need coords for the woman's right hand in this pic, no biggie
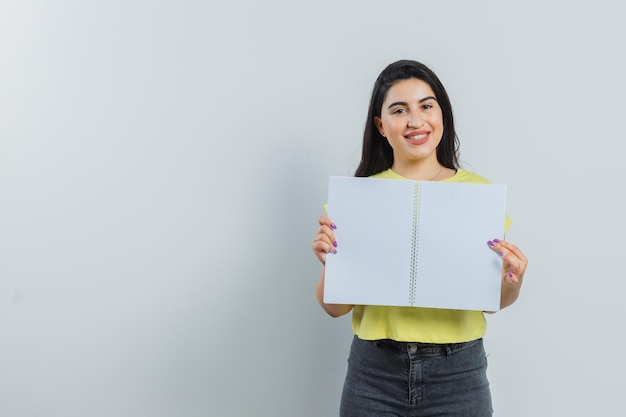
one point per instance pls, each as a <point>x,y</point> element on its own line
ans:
<point>324,241</point>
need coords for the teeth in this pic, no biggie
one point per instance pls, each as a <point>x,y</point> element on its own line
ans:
<point>418,137</point>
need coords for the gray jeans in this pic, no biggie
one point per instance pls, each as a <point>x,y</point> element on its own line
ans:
<point>389,378</point>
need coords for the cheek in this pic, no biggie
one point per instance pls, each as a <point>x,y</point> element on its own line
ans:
<point>437,124</point>
<point>390,125</point>
<point>439,121</point>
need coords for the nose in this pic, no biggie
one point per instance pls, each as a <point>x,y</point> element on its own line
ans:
<point>415,121</point>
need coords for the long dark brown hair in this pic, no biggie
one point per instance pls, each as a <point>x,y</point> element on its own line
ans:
<point>377,154</point>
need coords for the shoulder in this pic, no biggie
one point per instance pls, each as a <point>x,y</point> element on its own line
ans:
<point>471,177</point>
<point>463,175</point>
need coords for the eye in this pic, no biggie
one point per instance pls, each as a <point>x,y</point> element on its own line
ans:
<point>398,111</point>
<point>427,106</point>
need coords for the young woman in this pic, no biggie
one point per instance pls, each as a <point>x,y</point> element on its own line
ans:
<point>410,361</point>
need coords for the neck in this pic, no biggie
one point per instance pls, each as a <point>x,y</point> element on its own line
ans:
<point>422,171</point>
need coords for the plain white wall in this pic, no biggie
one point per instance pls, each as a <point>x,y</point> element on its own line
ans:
<point>162,166</point>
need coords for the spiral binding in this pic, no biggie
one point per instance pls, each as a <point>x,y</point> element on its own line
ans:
<point>414,248</point>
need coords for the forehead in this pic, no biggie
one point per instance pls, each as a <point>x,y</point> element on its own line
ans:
<point>409,90</point>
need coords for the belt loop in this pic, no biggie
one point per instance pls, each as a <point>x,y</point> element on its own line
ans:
<point>448,350</point>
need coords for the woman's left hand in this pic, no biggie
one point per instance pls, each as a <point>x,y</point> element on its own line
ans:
<point>514,264</point>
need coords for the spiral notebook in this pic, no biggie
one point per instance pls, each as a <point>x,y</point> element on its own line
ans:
<point>415,243</point>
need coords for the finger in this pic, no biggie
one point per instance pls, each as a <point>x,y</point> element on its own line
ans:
<point>325,240</point>
<point>513,263</point>
<point>326,221</point>
<point>496,246</point>
<point>320,250</point>
<point>322,242</point>
<point>513,249</point>
<point>504,248</point>
<point>326,231</point>
<point>510,277</point>
<point>513,260</point>
<point>321,247</point>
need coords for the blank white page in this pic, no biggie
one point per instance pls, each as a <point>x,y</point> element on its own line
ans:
<point>374,219</point>
<point>454,266</point>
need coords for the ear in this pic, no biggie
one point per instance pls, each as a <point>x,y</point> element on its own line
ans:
<point>379,126</point>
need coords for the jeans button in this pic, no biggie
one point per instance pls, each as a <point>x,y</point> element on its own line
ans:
<point>413,347</point>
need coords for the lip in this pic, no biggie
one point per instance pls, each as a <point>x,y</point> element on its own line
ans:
<point>420,141</point>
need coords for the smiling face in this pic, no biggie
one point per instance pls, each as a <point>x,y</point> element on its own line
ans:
<point>412,122</point>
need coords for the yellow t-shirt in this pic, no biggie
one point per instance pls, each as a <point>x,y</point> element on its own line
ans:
<point>416,324</point>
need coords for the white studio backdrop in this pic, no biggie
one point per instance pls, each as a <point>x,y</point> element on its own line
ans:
<point>163,164</point>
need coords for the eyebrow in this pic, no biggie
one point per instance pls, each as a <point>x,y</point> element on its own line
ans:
<point>404,103</point>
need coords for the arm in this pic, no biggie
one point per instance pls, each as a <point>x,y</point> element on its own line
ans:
<point>324,242</point>
<point>514,265</point>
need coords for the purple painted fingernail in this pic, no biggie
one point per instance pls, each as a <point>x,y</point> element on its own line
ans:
<point>490,243</point>
<point>510,274</point>
<point>335,243</point>
<point>333,226</point>
<point>501,253</point>
<point>497,240</point>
